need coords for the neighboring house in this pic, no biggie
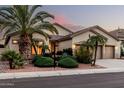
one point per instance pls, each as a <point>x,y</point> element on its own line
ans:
<point>119,33</point>
<point>71,39</point>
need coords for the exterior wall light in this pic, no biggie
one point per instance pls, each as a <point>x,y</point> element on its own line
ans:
<point>73,46</point>
<point>14,41</point>
<point>116,47</point>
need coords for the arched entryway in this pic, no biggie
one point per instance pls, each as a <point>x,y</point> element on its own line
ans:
<point>38,45</point>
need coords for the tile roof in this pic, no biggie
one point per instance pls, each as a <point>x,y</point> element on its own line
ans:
<point>118,33</point>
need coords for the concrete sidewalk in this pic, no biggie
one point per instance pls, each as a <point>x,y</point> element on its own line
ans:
<point>57,73</point>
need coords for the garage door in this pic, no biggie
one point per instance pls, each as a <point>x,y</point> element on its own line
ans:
<point>99,52</point>
<point>109,52</point>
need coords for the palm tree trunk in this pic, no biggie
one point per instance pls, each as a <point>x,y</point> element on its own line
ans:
<point>25,46</point>
<point>96,46</point>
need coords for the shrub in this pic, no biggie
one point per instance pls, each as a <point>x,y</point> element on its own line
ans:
<point>67,63</point>
<point>68,51</point>
<point>65,56</point>
<point>59,53</point>
<point>83,55</point>
<point>35,58</point>
<point>15,59</point>
<point>47,55</point>
<point>122,51</point>
<point>44,62</point>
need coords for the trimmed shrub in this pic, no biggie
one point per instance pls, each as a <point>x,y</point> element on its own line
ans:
<point>44,62</point>
<point>65,56</point>
<point>15,59</point>
<point>35,58</point>
<point>68,63</point>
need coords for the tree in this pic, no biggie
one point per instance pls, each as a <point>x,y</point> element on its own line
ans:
<point>95,41</point>
<point>25,20</point>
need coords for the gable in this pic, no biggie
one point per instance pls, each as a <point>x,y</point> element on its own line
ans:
<point>85,35</point>
<point>110,39</point>
<point>82,37</point>
<point>62,31</point>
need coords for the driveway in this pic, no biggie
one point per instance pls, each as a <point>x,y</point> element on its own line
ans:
<point>111,63</point>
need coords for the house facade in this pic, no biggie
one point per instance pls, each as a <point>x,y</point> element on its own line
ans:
<point>69,39</point>
<point>119,33</point>
<point>110,50</point>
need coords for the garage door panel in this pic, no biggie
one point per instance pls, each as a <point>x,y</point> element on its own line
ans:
<point>109,52</point>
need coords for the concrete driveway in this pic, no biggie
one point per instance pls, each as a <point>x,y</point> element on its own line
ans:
<point>111,63</point>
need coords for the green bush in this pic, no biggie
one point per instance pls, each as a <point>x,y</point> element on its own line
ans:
<point>83,55</point>
<point>65,56</point>
<point>68,51</point>
<point>68,63</point>
<point>15,59</point>
<point>44,62</point>
<point>35,58</point>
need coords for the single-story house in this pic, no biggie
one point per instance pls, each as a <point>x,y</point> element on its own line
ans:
<point>70,39</point>
<point>119,33</point>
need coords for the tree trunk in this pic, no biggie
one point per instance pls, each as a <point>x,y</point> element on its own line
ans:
<point>10,64</point>
<point>96,46</point>
<point>54,54</point>
<point>25,46</point>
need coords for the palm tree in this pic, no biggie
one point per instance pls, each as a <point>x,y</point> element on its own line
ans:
<point>95,41</point>
<point>25,20</point>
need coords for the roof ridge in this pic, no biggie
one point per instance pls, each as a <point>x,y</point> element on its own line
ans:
<point>63,27</point>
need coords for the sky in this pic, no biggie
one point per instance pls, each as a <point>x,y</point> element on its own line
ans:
<point>109,17</point>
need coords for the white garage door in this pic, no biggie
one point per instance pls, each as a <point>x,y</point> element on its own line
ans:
<point>109,52</point>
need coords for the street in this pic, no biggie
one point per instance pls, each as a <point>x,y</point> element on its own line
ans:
<point>108,80</point>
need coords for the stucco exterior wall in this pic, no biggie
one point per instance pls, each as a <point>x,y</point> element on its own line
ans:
<point>81,37</point>
<point>64,44</point>
<point>61,31</point>
<point>13,46</point>
<point>110,40</point>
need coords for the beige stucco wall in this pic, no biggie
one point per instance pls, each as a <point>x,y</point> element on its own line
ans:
<point>65,44</point>
<point>61,31</point>
<point>13,46</point>
<point>110,41</point>
<point>81,37</point>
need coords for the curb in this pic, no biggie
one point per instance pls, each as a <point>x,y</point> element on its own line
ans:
<point>57,73</point>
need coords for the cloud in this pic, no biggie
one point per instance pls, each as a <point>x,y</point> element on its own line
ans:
<point>61,19</point>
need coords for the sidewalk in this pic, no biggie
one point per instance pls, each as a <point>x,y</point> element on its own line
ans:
<point>57,73</point>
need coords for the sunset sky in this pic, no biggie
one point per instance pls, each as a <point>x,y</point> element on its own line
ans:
<point>108,17</point>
